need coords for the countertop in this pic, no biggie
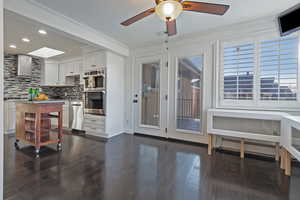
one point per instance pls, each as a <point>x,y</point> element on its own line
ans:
<point>41,102</point>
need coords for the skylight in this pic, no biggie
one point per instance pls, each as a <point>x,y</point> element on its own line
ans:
<point>46,52</point>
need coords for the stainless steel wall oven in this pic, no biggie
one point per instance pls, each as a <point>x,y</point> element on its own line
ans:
<point>94,91</point>
<point>94,102</point>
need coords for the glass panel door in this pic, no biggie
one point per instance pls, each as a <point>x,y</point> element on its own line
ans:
<point>151,86</point>
<point>189,94</point>
<point>150,112</point>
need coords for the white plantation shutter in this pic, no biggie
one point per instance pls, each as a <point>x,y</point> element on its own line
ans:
<point>279,69</point>
<point>238,72</point>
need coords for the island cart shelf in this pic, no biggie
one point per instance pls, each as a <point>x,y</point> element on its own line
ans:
<point>34,124</point>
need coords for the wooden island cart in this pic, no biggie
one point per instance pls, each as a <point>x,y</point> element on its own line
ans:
<point>33,124</point>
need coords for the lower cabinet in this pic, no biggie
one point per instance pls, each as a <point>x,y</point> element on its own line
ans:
<point>94,125</point>
<point>66,118</point>
<point>9,117</point>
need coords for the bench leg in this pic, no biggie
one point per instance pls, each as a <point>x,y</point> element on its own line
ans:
<point>242,149</point>
<point>282,158</point>
<point>210,145</point>
<point>277,151</point>
<point>287,163</point>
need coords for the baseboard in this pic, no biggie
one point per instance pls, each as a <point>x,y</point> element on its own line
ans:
<point>114,135</point>
<point>129,131</point>
<point>97,135</point>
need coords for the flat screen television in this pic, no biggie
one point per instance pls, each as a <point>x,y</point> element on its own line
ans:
<point>289,20</point>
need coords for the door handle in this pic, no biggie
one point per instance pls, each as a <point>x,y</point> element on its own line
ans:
<point>135,101</point>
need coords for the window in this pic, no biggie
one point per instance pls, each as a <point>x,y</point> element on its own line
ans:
<point>238,72</point>
<point>278,69</point>
<point>260,73</point>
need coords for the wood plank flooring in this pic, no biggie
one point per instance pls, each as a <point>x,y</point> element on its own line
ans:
<point>141,168</point>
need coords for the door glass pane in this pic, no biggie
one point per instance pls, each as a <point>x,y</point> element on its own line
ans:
<point>189,93</point>
<point>150,94</point>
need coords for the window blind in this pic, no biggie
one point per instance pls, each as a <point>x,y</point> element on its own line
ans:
<point>279,69</point>
<point>238,66</point>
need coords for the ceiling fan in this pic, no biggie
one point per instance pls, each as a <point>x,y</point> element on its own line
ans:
<point>169,10</point>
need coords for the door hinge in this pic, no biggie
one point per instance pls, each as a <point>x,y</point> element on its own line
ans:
<point>166,130</point>
<point>167,64</point>
<point>166,97</point>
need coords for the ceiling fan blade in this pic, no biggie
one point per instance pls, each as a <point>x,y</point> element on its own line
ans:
<point>158,1</point>
<point>138,17</point>
<point>210,8</point>
<point>171,27</point>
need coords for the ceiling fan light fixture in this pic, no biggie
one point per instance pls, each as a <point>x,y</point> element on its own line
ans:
<point>168,10</point>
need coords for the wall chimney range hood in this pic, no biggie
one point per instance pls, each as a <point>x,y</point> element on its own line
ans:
<point>24,65</point>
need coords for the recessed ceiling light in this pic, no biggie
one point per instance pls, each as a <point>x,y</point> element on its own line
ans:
<point>46,52</point>
<point>25,40</point>
<point>13,46</point>
<point>43,32</point>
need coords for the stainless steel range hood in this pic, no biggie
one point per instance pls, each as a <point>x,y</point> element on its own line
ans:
<point>24,65</point>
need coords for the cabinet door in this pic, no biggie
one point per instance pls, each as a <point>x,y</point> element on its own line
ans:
<point>63,71</point>
<point>10,117</point>
<point>81,73</point>
<point>77,68</point>
<point>71,69</point>
<point>66,116</point>
<point>51,74</point>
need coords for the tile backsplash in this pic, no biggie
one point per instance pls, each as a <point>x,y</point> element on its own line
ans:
<point>16,87</point>
<point>74,92</point>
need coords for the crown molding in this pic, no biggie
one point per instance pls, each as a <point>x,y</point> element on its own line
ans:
<point>252,27</point>
<point>42,14</point>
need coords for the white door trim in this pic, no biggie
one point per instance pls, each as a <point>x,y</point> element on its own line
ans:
<point>175,54</point>
<point>147,129</point>
<point>1,101</point>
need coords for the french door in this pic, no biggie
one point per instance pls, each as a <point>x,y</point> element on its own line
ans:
<point>150,98</point>
<point>185,113</point>
<point>169,99</point>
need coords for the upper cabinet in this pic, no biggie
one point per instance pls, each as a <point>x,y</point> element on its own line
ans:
<point>51,73</point>
<point>63,72</point>
<point>94,60</point>
<point>55,73</point>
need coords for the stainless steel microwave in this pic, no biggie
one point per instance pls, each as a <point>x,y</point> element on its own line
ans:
<point>95,80</point>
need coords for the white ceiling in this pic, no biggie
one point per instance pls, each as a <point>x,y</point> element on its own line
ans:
<point>16,27</point>
<point>106,15</point>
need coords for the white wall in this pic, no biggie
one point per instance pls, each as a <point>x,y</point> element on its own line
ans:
<point>115,95</point>
<point>209,42</point>
<point>1,100</point>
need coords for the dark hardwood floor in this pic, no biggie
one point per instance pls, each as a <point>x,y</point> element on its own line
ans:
<point>141,168</point>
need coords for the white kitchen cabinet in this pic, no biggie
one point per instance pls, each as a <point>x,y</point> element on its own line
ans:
<point>94,125</point>
<point>70,69</point>
<point>66,116</point>
<point>51,72</point>
<point>66,119</point>
<point>55,73</point>
<point>63,71</point>
<point>9,117</point>
<point>94,60</point>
